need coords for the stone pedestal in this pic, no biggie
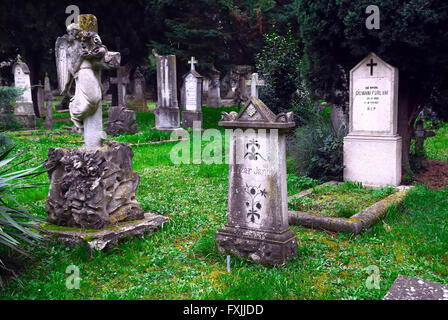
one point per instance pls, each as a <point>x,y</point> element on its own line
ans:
<point>189,117</point>
<point>120,120</point>
<point>24,114</point>
<point>257,217</point>
<point>373,160</point>
<point>372,149</point>
<point>92,189</point>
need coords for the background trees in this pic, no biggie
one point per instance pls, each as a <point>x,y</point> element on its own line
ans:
<point>413,36</point>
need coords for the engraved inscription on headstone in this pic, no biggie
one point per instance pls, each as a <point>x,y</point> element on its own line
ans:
<point>191,93</point>
<point>372,149</point>
<point>192,98</point>
<point>23,108</point>
<point>257,216</point>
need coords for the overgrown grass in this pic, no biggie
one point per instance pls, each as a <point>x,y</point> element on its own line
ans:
<point>181,260</point>
<point>343,200</point>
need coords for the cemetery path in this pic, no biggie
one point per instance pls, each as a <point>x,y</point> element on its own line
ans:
<point>435,174</point>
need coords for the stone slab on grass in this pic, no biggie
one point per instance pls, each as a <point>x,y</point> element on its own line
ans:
<point>407,288</point>
<point>106,238</point>
<point>356,223</point>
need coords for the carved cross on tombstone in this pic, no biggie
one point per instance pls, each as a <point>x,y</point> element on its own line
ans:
<point>121,81</point>
<point>192,63</point>
<point>371,65</point>
<point>254,84</point>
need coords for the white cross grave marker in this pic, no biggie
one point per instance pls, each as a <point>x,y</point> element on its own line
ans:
<point>254,83</point>
<point>193,62</point>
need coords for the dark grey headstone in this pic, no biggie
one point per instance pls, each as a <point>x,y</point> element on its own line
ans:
<point>407,288</point>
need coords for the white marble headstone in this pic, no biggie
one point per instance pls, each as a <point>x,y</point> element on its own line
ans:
<point>22,80</point>
<point>191,90</point>
<point>373,97</point>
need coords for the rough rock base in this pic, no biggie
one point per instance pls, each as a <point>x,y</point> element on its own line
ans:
<point>24,115</point>
<point>259,246</point>
<point>107,238</point>
<point>120,120</point>
<point>92,189</point>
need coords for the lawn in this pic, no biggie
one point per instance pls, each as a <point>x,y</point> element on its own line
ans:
<point>341,201</point>
<point>181,260</point>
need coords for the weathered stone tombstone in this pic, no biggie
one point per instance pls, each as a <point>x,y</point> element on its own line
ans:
<point>254,83</point>
<point>120,118</point>
<point>48,97</point>
<point>23,108</point>
<point>420,135</point>
<point>139,101</point>
<point>372,149</point>
<point>214,93</point>
<point>407,288</point>
<point>40,100</point>
<point>94,186</point>
<point>121,80</point>
<point>205,85</point>
<point>192,97</point>
<point>257,217</point>
<point>167,109</point>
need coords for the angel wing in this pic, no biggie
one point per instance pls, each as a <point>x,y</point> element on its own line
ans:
<point>62,62</point>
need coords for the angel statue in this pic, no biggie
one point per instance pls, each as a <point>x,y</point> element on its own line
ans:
<point>80,56</point>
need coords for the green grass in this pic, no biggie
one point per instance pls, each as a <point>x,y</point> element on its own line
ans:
<point>436,147</point>
<point>181,260</point>
<point>342,200</point>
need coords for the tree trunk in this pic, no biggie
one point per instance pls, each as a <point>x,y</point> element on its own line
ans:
<point>407,114</point>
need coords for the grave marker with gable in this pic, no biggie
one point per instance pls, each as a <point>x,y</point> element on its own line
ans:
<point>257,217</point>
<point>372,149</point>
<point>23,108</point>
<point>192,97</point>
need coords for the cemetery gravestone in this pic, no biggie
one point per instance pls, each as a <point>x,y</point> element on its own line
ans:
<point>120,118</point>
<point>167,109</point>
<point>257,217</point>
<point>121,81</point>
<point>214,92</point>
<point>48,97</point>
<point>254,83</point>
<point>40,100</point>
<point>139,101</point>
<point>372,149</point>
<point>192,97</point>
<point>23,108</point>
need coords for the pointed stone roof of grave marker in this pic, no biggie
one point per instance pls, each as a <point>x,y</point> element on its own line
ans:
<point>22,65</point>
<point>255,114</point>
<point>375,58</point>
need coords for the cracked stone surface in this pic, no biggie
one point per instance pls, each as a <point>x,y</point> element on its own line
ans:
<point>92,188</point>
<point>407,288</point>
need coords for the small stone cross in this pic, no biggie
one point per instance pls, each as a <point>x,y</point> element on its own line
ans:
<point>192,63</point>
<point>371,65</point>
<point>254,84</point>
<point>121,81</point>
